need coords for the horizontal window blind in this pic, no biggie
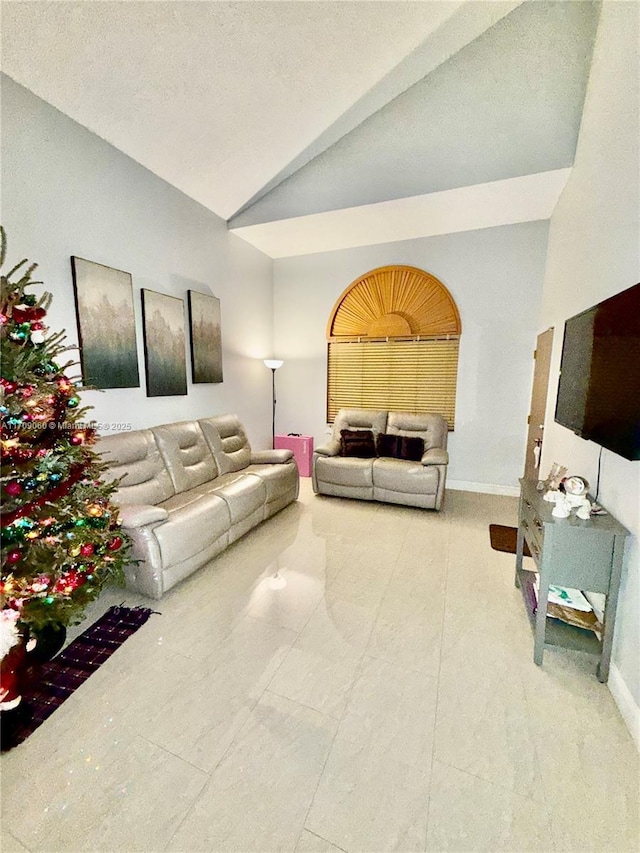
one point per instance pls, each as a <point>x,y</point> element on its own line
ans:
<point>396,375</point>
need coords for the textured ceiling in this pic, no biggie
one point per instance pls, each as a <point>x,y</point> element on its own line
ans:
<point>265,111</point>
<point>214,97</point>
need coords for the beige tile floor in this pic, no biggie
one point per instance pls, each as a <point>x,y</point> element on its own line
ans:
<point>384,699</point>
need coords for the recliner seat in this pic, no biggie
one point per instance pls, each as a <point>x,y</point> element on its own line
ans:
<point>381,478</point>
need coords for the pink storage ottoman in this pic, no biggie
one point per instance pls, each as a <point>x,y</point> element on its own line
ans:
<point>302,446</point>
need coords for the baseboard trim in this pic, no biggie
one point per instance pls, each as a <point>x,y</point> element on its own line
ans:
<point>626,704</point>
<point>483,488</point>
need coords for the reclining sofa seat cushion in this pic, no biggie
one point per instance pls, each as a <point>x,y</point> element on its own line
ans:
<point>419,483</point>
<point>276,469</point>
<point>347,476</point>
<point>194,472</point>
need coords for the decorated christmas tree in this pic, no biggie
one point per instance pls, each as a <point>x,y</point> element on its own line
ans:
<point>61,541</point>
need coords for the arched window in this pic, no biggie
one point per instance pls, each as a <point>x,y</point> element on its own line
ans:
<point>393,344</point>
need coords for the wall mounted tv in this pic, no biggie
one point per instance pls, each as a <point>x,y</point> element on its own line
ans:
<point>599,390</point>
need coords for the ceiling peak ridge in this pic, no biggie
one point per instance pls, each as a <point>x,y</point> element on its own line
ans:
<point>509,201</point>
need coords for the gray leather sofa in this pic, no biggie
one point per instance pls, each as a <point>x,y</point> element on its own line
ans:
<point>380,478</point>
<point>189,490</point>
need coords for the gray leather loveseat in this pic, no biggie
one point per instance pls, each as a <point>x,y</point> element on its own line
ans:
<point>377,476</point>
<point>189,490</point>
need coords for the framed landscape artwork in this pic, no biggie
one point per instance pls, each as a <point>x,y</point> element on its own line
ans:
<point>206,337</point>
<point>106,325</point>
<point>164,345</point>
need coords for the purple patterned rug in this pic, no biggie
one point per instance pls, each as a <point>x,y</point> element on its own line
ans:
<point>56,680</point>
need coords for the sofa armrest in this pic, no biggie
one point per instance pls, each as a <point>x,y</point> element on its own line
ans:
<point>435,456</point>
<point>270,457</point>
<point>331,448</point>
<point>133,516</point>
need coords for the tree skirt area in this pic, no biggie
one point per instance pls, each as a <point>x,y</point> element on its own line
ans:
<point>55,681</point>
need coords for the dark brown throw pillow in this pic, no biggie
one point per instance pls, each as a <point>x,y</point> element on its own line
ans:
<point>357,442</point>
<point>406,447</point>
<point>387,444</point>
<point>411,448</point>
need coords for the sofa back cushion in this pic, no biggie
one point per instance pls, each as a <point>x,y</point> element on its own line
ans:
<point>227,441</point>
<point>136,457</point>
<point>186,454</point>
<point>354,419</point>
<point>431,428</point>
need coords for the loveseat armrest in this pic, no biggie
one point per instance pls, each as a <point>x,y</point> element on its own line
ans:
<point>331,448</point>
<point>435,456</point>
<point>270,457</point>
<point>134,516</point>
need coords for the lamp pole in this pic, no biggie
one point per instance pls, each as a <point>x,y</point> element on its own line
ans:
<point>273,410</point>
<point>273,364</point>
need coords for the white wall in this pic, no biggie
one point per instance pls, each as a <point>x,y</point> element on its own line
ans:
<point>594,253</point>
<point>66,192</point>
<point>495,276</point>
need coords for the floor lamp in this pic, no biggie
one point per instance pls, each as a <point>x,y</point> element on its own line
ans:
<point>273,364</point>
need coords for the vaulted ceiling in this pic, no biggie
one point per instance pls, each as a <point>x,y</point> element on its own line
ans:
<point>314,118</point>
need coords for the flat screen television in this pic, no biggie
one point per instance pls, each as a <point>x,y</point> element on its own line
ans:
<point>599,390</point>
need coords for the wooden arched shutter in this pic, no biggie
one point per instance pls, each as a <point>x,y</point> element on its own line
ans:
<point>393,344</point>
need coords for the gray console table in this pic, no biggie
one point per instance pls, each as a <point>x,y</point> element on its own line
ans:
<point>570,552</point>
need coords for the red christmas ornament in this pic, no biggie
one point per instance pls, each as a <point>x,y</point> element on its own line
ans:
<point>69,581</point>
<point>13,488</point>
<point>8,385</point>
<point>115,543</point>
<point>14,556</point>
<point>87,549</point>
<point>25,315</point>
